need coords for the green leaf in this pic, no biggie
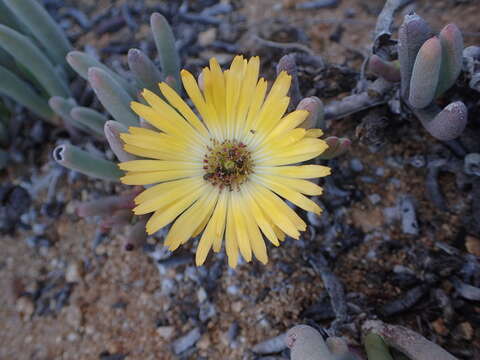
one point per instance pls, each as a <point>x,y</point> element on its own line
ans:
<point>30,56</point>
<point>22,92</point>
<point>79,160</point>
<point>115,99</point>
<point>165,43</point>
<point>42,27</point>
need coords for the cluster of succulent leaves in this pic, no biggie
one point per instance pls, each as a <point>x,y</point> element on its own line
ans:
<point>427,66</point>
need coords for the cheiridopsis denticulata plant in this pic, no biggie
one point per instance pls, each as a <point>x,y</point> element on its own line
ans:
<point>428,66</point>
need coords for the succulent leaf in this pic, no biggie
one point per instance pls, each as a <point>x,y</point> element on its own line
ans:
<point>62,107</point>
<point>384,69</point>
<point>316,117</point>
<point>167,52</point>
<point>376,348</point>
<point>30,56</point>
<point>452,58</point>
<point>89,118</point>
<point>8,19</point>
<point>112,96</point>
<point>447,124</point>
<point>20,91</point>
<point>411,36</point>
<point>144,70</point>
<point>425,74</point>
<point>112,130</point>
<point>81,62</point>
<point>306,343</point>
<point>336,147</point>
<point>41,25</point>
<point>79,160</point>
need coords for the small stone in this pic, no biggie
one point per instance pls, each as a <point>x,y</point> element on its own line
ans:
<point>74,316</point>
<point>356,165</point>
<point>201,295</point>
<point>187,341</point>
<point>25,307</point>
<point>466,330</point>
<point>439,327</point>
<point>237,306</point>
<point>72,337</point>
<point>204,343</point>
<point>74,272</point>
<point>207,37</point>
<point>473,245</point>
<point>368,220</point>
<point>207,311</point>
<point>374,198</point>
<point>168,286</point>
<point>166,332</point>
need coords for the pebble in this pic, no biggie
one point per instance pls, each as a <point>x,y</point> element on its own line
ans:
<point>168,286</point>
<point>356,165</point>
<point>25,307</point>
<point>232,290</point>
<point>270,346</point>
<point>207,311</point>
<point>380,172</point>
<point>374,198</point>
<point>74,272</point>
<point>201,295</point>
<point>207,37</point>
<point>39,229</point>
<point>465,329</point>
<point>204,343</point>
<point>473,245</point>
<point>409,218</point>
<point>74,316</point>
<point>186,341</point>
<point>439,327</point>
<point>166,332</point>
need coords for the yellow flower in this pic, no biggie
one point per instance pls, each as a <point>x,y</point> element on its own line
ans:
<point>222,173</point>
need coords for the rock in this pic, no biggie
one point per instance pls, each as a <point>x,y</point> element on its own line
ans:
<point>374,199</point>
<point>356,165</point>
<point>74,272</point>
<point>473,245</point>
<point>74,316</point>
<point>204,343</point>
<point>201,295</point>
<point>207,37</point>
<point>186,341</point>
<point>368,220</point>
<point>465,329</point>
<point>439,327</point>
<point>25,307</point>
<point>166,332</point>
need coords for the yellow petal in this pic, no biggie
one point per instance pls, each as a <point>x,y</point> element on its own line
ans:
<point>214,230</point>
<point>156,165</point>
<point>240,227</point>
<point>288,193</point>
<point>151,177</point>
<point>300,185</point>
<point>163,195</point>
<point>185,225</point>
<point>231,245</point>
<point>165,216</point>
<point>177,102</point>
<point>302,171</point>
<point>266,200</point>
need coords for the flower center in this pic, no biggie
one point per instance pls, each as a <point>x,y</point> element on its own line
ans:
<point>227,164</point>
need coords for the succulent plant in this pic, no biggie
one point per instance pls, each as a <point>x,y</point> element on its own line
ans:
<point>428,66</point>
<point>306,343</point>
<point>32,57</point>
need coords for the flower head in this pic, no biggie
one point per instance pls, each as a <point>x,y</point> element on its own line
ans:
<point>223,173</point>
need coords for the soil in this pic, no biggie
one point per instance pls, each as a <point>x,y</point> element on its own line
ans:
<point>69,293</point>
